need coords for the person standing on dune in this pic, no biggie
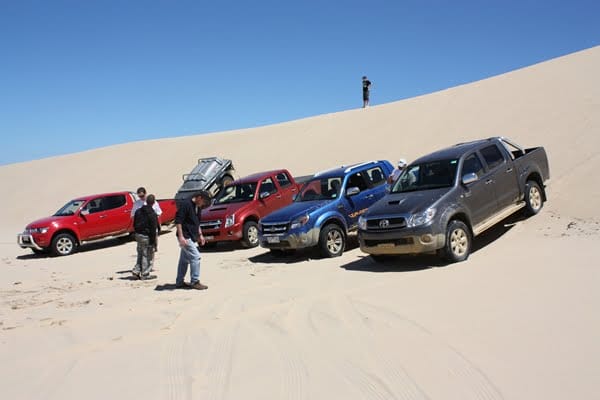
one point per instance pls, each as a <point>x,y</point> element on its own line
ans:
<point>366,87</point>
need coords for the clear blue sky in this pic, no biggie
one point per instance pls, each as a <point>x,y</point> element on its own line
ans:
<point>76,75</point>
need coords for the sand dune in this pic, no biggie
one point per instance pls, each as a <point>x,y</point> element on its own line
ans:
<point>516,320</point>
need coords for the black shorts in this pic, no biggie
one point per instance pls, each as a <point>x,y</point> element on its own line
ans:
<point>365,96</point>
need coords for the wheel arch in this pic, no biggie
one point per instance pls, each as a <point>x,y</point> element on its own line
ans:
<point>68,231</point>
<point>537,178</point>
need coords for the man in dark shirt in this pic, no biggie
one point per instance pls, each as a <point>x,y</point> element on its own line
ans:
<point>145,223</point>
<point>366,86</point>
<point>189,235</point>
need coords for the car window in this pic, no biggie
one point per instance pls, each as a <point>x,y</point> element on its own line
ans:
<point>283,179</point>
<point>267,185</point>
<point>492,156</point>
<point>320,189</point>
<point>112,202</point>
<point>376,176</point>
<point>94,206</point>
<point>473,165</point>
<point>357,180</point>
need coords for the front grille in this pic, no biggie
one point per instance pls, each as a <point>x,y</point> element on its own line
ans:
<point>396,242</point>
<point>210,225</point>
<point>382,224</point>
<point>275,228</point>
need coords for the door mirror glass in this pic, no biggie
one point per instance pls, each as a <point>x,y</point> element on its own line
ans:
<point>352,191</point>
<point>469,178</point>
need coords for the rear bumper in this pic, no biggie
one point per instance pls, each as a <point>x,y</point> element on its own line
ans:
<point>403,241</point>
<point>27,241</point>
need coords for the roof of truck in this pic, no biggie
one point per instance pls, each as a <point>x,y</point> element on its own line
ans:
<point>342,170</point>
<point>456,151</point>
<point>259,176</point>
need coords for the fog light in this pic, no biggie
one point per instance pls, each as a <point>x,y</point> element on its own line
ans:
<point>427,238</point>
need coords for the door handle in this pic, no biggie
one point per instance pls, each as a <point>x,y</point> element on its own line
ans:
<point>102,216</point>
<point>370,196</point>
<point>340,207</point>
<point>489,181</point>
<point>278,196</point>
<point>509,170</point>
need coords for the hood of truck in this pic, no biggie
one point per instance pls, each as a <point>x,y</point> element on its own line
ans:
<point>295,210</point>
<point>220,211</point>
<point>407,203</point>
<point>47,222</point>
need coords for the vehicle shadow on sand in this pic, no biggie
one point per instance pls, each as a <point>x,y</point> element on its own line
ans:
<point>84,248</point>
<point>406,263</point>
<point>298,256</point>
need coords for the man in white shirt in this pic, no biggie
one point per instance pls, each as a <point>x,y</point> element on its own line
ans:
<point>141,201</point>
<point>397,171</point>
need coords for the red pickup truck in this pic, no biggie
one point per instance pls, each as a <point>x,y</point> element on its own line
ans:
<point>86,219</point>
<point>235,213</point>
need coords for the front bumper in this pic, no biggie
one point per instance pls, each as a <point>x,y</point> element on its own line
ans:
<point>401,241</point>
<point>233,233</point>
<point>296,239</point>
<point>27,241</point>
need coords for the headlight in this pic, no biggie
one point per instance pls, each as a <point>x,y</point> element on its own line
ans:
<point>37,230</point>
<point>230,220</point>
<point>298,222</point>
<point>422,218</point>
<point>362,223</point>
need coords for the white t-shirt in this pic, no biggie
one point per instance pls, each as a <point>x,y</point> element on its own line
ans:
<point>139,203</point>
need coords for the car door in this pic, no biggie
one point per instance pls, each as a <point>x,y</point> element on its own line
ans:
<point>359,202</point>
<point>91,219</point>
<point>288,190</point>
<point>270,198</point>
<point>503,175</point>
<point>376,180</point>
<point>479,197</point>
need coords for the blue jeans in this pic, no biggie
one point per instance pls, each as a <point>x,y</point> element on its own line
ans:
<point>189,254</point>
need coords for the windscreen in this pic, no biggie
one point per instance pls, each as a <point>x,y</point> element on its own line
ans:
<point>424,176</point>
<point>69,209</point>
<point>320,189</point>
<point>237,193</point>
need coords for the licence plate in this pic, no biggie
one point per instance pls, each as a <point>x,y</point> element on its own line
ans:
<point>272,239</point>
<point>209,237</point>
<point>386,245</point>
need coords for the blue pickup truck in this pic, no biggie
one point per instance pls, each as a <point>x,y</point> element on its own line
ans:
<point>326,209</point>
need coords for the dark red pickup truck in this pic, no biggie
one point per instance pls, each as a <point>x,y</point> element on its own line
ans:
<point>235,213</point>
<point>86,219</point>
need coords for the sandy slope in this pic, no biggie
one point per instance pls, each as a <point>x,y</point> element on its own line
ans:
<point>517,320</point>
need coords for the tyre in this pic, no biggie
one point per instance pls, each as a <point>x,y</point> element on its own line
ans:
<point>458,242</point>
<point>534,199</point>
<point>63,244</point>
<point>226,180</point>
<point>332,241</point>
<point>250,238</point>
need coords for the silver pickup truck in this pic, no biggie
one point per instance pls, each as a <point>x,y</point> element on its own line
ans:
<point>444,199</point>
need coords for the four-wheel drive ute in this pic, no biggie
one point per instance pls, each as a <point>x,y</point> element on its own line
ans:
<point>236,211</point>
<point>442,200</point>
<point>326,209</point>
<point>86,219</point>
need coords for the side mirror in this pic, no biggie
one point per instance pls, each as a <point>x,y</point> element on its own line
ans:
<point>84,212</point>
<point>469,178</point>
<point>352,191</point>
<point>264,195</point>
<point>294,196</point>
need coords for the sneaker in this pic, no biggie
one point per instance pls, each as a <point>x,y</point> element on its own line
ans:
<point>198,286</point>
<point>147,277</point>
